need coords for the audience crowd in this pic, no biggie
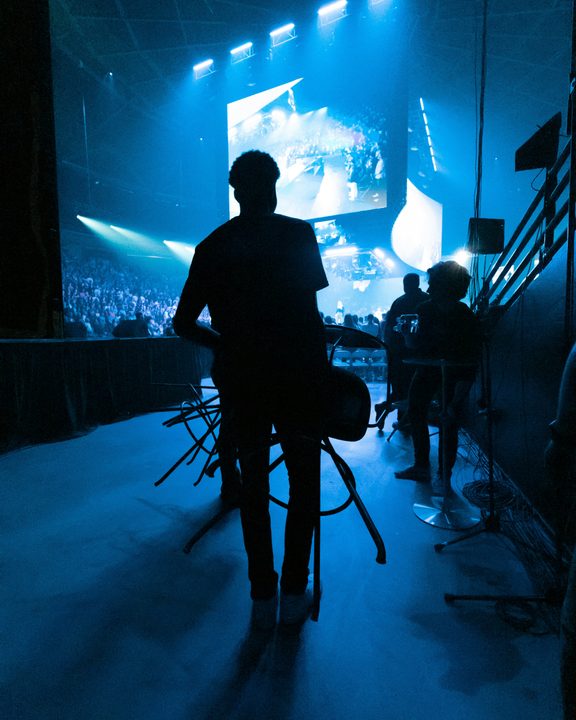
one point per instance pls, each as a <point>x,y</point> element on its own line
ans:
<point>100,294</point>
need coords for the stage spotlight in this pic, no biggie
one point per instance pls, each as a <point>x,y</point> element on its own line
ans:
<point>137,239</point>
<point>242,52</point>
<point>334,11</point>
<point>104,231</point>
<point>462,257</point>
<point>203,69</point>
<point>283,34</point>
<point>183,251</point>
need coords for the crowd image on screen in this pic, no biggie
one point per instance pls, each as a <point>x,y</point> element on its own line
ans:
<point>303,143</point>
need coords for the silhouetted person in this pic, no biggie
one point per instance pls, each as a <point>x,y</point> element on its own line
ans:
<point>349,321</point>
<point>259,273</point>
<point>448,330</point>
<point>400,374</point>
<point>136,328</point>
<point>561,470</point>
<point>372,325</point>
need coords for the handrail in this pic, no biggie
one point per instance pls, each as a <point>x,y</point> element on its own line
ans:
<point>533,274</point>
<point>499,284</point>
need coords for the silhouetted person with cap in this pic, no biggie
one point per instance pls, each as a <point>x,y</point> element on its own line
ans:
<point>259,274</point>
<point>400,373</point>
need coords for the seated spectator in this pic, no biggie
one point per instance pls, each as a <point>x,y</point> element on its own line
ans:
<point>372,326</point>
<point>349,321</point>
<point>132,328</point>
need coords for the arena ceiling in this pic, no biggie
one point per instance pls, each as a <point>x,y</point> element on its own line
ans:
<point>149,46</point>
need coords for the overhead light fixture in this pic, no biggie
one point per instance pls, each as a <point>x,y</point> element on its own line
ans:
<point>334,11</point>
<point>204,68</point>
<point>242,52</point>
<point>283,34</point>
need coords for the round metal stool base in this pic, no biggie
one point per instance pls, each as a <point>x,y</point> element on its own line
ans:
<point>447,513</point>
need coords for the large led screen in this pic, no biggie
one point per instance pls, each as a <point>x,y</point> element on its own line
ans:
<point>332,160</point>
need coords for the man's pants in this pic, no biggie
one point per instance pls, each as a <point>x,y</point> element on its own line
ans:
<point>426,383</point>
<point>295,413</point>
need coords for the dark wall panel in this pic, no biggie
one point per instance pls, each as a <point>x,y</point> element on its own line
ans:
<point>527,353</point>
<point>53,389</point>
<point>30,275</point>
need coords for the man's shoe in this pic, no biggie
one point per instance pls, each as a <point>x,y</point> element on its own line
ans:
<point>295,609</point>
<point>402,426</point>
<point>379,409</point>
<point>414,472</point>
<point>264,613</point>
<point>230,490</point>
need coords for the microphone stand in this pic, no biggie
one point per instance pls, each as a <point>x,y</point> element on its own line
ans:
<point>491,522</point>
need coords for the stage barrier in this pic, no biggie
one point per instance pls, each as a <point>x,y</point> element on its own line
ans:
<point>53,389</point>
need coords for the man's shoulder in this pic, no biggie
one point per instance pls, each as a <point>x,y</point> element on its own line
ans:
<point>218,233</point>
<point>290,222</point>
<point>464,309</point>
<point>278,217</point>
<point>213,244</point>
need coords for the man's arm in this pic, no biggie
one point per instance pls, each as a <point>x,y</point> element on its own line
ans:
<point>192,302</point>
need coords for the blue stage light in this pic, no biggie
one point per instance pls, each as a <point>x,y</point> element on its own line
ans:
<point>242,52</point>
<point>204,68</point>
<point>241,48</point>
<point>283,34</point>
<point>332,12</point>
<point>183,251</point>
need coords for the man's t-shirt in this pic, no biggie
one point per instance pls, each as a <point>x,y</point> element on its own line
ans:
<point>449,331</point>
<point>259,277</point>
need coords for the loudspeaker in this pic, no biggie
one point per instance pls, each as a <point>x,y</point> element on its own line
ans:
<point>541,150</point>
<point>485,236</point>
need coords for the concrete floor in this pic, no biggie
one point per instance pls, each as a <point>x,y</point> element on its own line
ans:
<point>105,618</point>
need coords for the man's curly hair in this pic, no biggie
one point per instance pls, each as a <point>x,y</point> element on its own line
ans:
<point>253,169</point>
<point>449,279</point>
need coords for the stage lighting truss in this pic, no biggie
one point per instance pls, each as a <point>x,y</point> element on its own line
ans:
<point>283,34</point>
<point>203,69</point>
<point>328,14</point>
<point>241,53</point>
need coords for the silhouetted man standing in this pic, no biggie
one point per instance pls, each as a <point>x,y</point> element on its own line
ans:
<point>400,373</point>
<point>259,274</point>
